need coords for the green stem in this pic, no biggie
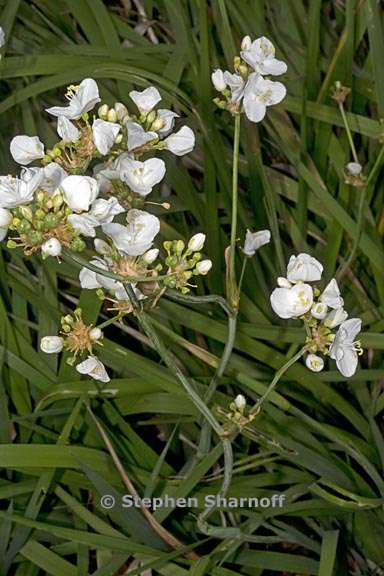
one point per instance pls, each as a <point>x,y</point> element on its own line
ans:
<point>243,267</point>
<point>348,131</point>
<point>232,292</point>
<point>276,379</point>
<point>360,215</point>
<point>69,257</point>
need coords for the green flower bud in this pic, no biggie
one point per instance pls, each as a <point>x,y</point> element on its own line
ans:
<point>179,247</point>
<point>50,220</point>
<point>40,197</point>
<point>151,116</point>
<point>26,212</point>
<point>35,238</point>
<point>15,223</point>
<point>11,244</point>
<point>167,245</point>
<point>24,227</point>
<point>77,244</point>
<point>40,214</point>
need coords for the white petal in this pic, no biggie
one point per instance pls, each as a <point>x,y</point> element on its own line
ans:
<point>254,109</point>
<point>146,100</point>
<point>142,176</point>
<point>83,101</point>
<point>26,149</point>
<point>88,279</point>
<point>292,302</point>
<point>5,218</point>
<point>255,240</point>
<point>94,368</point>
<point>51,247</point>
<point>331,295</point>
<point>347,361</point>
<point>181,142</point>
<point>51,344</point>
<point>105,210</point>
<point>335,318</point>
<point>79,191</point>
<point>53,175</point>
<point>168,118</point>
<point>314,362</point>
<point>273,67</point>
<point>84,223</point>
<point>67,131</point>
<point>137,237</point>
<point>104,134</point>
<point>218,81</point>
<point>236,84</point>
<point>350,329</point>
<point>137,136</point>
<point>304,268</point>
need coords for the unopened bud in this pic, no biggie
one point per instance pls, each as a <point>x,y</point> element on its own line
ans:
<point>150,256</point>
<point>283,282</point>
<point>51,247</point>
<point>51,344</point>
<point>240,402</point>
<point>112,116</point>
<point>204,267</point>
<point>103,111</point>
<point>314,362</point>
<point>95,334</point>
<point>197,241</point>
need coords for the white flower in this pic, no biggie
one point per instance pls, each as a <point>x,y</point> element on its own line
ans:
<point>137,237</point>
<point>240,402</point>
<point>197,242</point>
<point>260,55</point>
<point>203,267</point>
<point>105,210</point>
<point>83,100</point>
<point>79,191</point>
<point>314,362</point>
<point>354,168</point>
<point>236,85</point>
<point>93,368</point>
<point>150,256</point>
<point>104,135</point>
<point>146,100</point>
<point>51,344</point>
<point>292,302</point>
<point>344,350</point>
<point>218,81</point>
<point>335,318</point>
<point>84,223</point>
<point>255,240</point>
<point>67,130</point>
<point>17,191</point>
<point>26,149</point>
<point>2,37</point>
<point>260,93</point>
<point>51,247</point>
<point>304,268</point>
<point>137,136</point>
<point>181,142</point>
<point>141,177</point>
<point>319,310</point>
<point>91,280</point>
<point>52,176</point>
<point>167,118</point>
<point>331,295</point>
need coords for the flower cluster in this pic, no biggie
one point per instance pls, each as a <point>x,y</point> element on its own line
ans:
<point>321,312</point>
<point>78,339</point>
<point>247,88</point>
<point>93,184</point>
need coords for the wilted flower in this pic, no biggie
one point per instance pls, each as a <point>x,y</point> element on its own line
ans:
<point>255,240</point>
<point>26,149</point>
<point>146,100</point>
<point>236,84</point>
<point>354,168</point>
<point>335,318</point>
<point>105,210</point>
<point>94,368</point>
<point>82,99</point>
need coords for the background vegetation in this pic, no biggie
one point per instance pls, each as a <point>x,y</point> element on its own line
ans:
<point>320,438</point>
